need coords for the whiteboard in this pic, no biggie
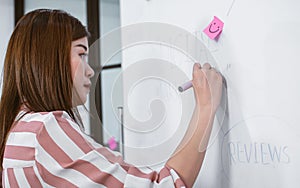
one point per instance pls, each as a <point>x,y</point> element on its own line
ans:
<point>256,143</point>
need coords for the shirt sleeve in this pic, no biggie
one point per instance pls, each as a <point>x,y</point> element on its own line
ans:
<point>66,157</point>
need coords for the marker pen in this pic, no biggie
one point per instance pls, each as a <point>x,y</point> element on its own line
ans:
<point>185,86</point>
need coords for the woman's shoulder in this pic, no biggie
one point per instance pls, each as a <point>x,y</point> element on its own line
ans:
<point>35,121</point>
<point>42,116</point>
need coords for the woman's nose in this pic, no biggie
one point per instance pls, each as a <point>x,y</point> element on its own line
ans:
<point>89,71</point>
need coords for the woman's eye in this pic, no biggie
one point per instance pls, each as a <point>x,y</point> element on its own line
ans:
<point>84,57</point>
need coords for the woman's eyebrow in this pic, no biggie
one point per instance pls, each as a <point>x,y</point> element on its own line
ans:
<point>81,45</point>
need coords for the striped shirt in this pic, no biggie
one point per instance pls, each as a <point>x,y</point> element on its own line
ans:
<point>48,149</point>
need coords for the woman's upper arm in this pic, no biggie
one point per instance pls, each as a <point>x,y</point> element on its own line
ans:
<point>66,155</point>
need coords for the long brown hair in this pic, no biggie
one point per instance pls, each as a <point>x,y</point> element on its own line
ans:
<point>37,69</point>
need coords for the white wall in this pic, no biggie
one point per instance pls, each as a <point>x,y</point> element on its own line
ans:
<point>7,24</point>
<point>109,21</point>
<point>258,55</point>
<point>76,8</point>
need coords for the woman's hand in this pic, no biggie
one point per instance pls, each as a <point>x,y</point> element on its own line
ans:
<point>207,84</point>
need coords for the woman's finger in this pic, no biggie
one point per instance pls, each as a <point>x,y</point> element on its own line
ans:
<point>196,66</point>
<point>206,66</point>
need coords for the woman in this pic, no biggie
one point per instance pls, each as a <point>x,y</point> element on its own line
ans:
<point>42,144</point>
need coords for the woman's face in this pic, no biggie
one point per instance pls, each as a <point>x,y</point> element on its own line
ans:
<point>81,71</point>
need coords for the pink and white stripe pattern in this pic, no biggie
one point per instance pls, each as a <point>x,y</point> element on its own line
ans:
<point>49,150</point>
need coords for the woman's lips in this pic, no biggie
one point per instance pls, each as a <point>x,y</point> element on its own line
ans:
<point>87,85</point>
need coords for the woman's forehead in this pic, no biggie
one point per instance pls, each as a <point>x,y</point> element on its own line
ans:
<point>82,42</point>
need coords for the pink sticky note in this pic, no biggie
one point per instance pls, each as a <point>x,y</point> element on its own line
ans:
<point>112,143</point>
<point>214,28</point>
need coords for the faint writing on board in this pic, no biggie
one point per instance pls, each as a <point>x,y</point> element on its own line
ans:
<point>257,153</point>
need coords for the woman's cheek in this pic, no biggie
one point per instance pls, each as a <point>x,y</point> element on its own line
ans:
<point>74,68</point>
